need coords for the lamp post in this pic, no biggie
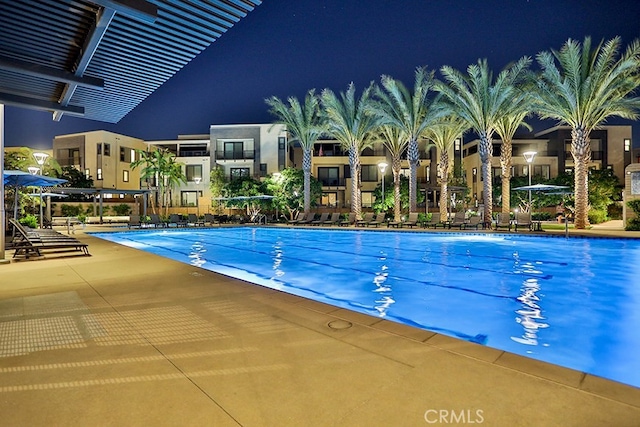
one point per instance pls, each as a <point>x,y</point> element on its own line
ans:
<point>383,167</point>
<point>528,156</point>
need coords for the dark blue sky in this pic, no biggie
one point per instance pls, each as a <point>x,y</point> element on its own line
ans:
<point>285,47</point>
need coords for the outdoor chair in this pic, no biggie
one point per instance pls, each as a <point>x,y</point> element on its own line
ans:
<point>411,221</point>
<point>503,221</point>
<point>193,220</point>
<point>380,218</point>
<point>434,221</point>
<point>523,220</point>
<point>350,220</point>
<point>177,220</point>
<point>210,219</point>
<point>29,243</point>
<point>367,218</point>
<point>323,217</point>
<point>459,220</point>
<point>308,219</point>
<point>155,221</point>
<point>335,219</point>
<point>474,222</point>
<point>134,221</point>
<point>299,217</point>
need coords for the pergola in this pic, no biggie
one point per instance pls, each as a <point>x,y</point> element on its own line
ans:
<point>99,59</point>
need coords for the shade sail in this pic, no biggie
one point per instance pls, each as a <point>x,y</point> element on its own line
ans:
<point>542,187</point>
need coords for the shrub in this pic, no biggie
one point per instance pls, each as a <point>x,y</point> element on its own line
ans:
<point>597,216</point>
<point>69,210</point>
<point>122,209</point>
<point>634,224</point>
<point>29,221</point>
<point>541,216</point>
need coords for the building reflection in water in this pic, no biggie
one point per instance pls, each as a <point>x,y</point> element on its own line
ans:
<point>530,314</point>
<point>382,288</point>
<point>196,256</point>
<point>277,254</point>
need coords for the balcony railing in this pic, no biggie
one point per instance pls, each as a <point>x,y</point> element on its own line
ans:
<point>235,155</point>
<point>71,161</point>
<point>332,182</point>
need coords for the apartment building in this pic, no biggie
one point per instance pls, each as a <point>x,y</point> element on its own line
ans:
<point>610,148</point>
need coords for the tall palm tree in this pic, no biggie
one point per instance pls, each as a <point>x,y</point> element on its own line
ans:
<point>411,112</point>
<point>160,165</point>
<point>582,89</point>
<point>443,134</point>
<point>395,141</point>
<point>506,128</point>
<point>481,102</point>
<point>349,123</point>
<point>305,125</point>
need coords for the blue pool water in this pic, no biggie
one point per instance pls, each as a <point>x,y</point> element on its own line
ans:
<point>573,302</point>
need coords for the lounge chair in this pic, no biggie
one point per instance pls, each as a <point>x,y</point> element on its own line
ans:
<point>434,221</point>
<point>411,221</point>
<point>193,220</point>
<point>379,220</point>
<point>299,217</point>
<point>459,220</point>
<point>323,217</point>
<point>177,220</point>
<point>350,220</point>
<point>523,220</point>
<point>474,222</point>
<point>367,218</point>
<point>28,243</point>
<point>134,221</point>
<point>307,220</point>
<point>210,219</point>
<point>335,219</point>
<point>155,221</point>
<point>503,221</point>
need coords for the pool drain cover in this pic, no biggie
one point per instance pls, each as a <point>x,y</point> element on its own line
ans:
<point>339,324</point>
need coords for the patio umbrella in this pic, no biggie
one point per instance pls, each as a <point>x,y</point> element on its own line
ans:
<point>542,187</point>
<point>25,179</point>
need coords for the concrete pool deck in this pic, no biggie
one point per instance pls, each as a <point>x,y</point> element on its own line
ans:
<point>129,338</point>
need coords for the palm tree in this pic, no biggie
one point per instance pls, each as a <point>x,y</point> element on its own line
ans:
<point>481,102</point>
<point>395,141</point>
<point>506,128</point>
<point>348,122</point>
<point>583,89</point>
<point>305,125</point>
<point>410,112</point>
<point>443,134</point>
<point>160,165</point>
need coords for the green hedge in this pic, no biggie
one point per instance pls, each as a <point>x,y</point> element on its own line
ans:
<point>634,224</point>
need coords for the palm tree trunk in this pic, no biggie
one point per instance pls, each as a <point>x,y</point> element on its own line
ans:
<point>506,155</point>
<point>396,167</point>
<point>443,172</point>
<point>581,151</point>
<point>485,150</point>
<point>413,157</point>
<point>354,164</point>
<point>306,168</point>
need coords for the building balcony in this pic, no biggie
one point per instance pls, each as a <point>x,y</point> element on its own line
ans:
<point>236,155</point>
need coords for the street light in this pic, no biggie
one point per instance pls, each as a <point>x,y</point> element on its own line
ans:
<point>383,167</point>
<point>528,156</point>
<point>40,159</point>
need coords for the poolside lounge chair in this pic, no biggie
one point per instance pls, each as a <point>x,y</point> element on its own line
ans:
<point>299,217</point>
<point>210,219</point>
<point>474,222</point>
<point>193,220</point>
<point>177,220</point>
<point>411,221</point>
<point>434,221</point>
<point>335,219</point>
<point>134,221</point>
<point>155,221</point>
<point>308,219</point>
<point>379,220</point>
<point>323,217</point>
<point>504,221</point>
<point>350,220</point>
<point>367,218</point>
<point>28,243</point>
<point>459,220</point>
<point>523,220</point>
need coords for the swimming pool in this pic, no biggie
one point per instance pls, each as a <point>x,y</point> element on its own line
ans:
<point>573,302</point>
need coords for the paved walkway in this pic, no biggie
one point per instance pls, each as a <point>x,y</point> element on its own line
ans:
<point>128,338</point>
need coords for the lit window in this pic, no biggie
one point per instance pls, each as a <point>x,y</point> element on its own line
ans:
<point>627,144</point>
<point>125,176</point>
<point>99,173</point>
<point>133,155</point>
<point>87,173</point>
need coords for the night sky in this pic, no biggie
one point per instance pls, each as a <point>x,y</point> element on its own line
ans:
<point>285,47</point>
